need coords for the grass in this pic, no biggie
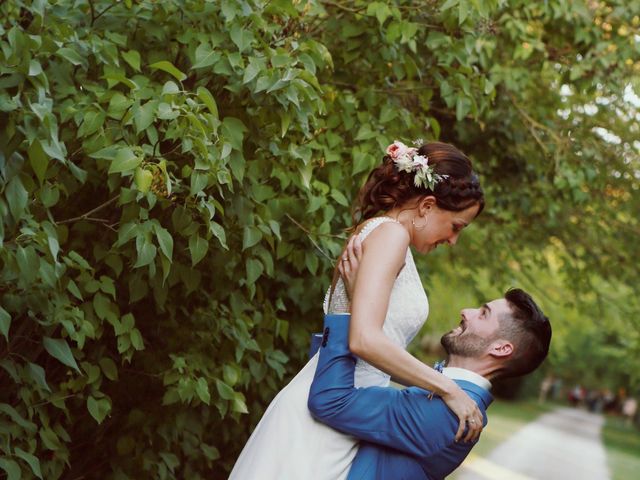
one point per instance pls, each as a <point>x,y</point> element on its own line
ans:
<point>622,443</point>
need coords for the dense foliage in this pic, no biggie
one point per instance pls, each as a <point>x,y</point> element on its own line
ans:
<point>176,175</point>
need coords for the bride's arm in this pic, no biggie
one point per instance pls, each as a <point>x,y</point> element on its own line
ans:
<point>383,256</point>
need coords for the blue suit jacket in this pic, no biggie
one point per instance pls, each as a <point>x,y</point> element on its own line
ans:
<point>403,434</point>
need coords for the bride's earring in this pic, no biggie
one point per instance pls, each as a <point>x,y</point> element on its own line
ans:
<point>421,227</point>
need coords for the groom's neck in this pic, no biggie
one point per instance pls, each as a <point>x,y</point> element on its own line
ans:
<point>474,364</point>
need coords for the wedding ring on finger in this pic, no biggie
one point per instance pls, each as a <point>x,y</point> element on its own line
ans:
<point>345,259</point>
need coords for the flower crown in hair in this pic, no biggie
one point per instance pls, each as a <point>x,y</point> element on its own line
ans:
<point>408,160</point>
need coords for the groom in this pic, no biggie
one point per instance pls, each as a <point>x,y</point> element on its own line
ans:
<point>404,434</point>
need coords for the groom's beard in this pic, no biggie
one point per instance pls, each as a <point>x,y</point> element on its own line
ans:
<point>465,344</point>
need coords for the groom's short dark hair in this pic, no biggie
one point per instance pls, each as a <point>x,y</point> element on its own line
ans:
<point>530,332</point>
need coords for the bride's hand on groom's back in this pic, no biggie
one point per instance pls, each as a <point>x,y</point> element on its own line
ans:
<point>349,262</point>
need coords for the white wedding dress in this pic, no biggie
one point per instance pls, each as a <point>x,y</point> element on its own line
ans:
<point>288,444</point>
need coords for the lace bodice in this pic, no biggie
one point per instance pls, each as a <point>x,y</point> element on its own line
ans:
<point>408,309</point>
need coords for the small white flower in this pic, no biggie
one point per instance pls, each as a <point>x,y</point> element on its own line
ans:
<point>420,161</point>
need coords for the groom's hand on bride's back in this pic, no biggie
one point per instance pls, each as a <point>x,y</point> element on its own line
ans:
<point>349,263</point>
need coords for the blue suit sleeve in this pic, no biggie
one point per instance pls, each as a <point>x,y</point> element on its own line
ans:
<point>405,420</point>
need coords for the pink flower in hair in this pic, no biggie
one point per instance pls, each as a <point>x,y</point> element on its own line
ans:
<point>398,150</point>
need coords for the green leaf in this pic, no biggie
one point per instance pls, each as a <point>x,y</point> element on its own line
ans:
<point>202,390</point>
<point>339,197</point>
<point>78,259</point>
<point>92,122</point>
<point>238,404</point>
<point>230,375</point>
<point>233,129</point>
<point>143,179</point>
<point>146,254</point>
<point>211,453</point>
<point>311,261</point>
<point>30,427</point>
<point>125,160</point>
<point>165,240</point>
<point>449,4</point>
<point>170,460</point>
<point>59,349</point>
<point>28,263</point>
<point>37,374</point>
<point>463,105</point>
<point>102,306</point>
<point>38,159</point>
<point>241,36</point>
<point>75,291</point>
<point>107,153</point>
<point>11,468</point>
<point>252,70</point>
<point>17,197</point>
<point>463,11</point>
<point>136,339</point>
<point>198,247</point>
<point>107,285</point>
<point>218,231</point>
<point>31,460</point>
<point>208,100</point>
<point>127,323</point>
<point>99,408</point>
<point>144,115</point>
<point>224,390</point>
<point>254,270</point>
<point>169,68</point>
<point>205,56</point>
<point>109,368</point>
<point>50,439</point>
<point>126,232</point>
<point>380,10</point>
<point>5,323</point>
<point>132,57</point>
<point>170,88</point>
<point>251,236</point>
<point>72,56</point>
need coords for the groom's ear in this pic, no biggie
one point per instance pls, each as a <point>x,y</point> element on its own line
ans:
<point>501,349</point>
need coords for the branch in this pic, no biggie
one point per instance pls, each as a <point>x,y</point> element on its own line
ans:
<point>533,123</point>
<point>93,12</point>
<point>342,7</point>
<point>101,13</point>
<point>309,233</point>
<point>393,90</point>
<point>87,215</point>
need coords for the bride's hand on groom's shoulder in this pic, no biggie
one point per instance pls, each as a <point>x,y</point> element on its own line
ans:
<point>349,262</point>
<point>469,415</point>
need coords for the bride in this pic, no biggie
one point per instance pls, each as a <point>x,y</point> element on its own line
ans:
<point>420,197</point>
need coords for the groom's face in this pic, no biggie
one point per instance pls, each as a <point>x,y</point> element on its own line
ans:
<point>478,329</point>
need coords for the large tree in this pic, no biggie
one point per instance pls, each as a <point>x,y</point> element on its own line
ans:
<point>176,177</point>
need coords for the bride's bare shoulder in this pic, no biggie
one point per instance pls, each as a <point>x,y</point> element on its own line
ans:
<point>390,235</point>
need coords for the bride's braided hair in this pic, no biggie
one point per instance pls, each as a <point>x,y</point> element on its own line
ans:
<point>387,187</point>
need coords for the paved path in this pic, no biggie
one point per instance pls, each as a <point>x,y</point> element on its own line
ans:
<point>561,445</point>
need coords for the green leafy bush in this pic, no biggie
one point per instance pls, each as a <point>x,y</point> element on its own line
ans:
<point>175,176</point>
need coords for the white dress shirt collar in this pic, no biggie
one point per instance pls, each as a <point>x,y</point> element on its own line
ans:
<point>455,373</point>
